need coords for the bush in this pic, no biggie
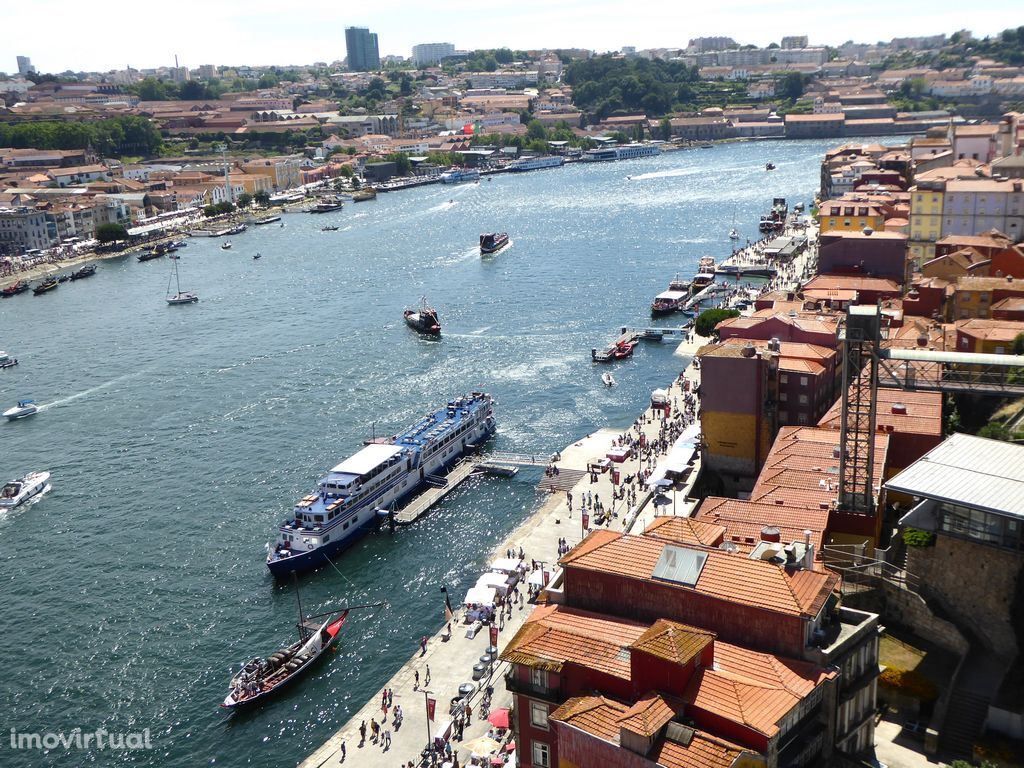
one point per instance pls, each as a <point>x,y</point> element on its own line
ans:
<point>709,318</point>
<point>914,537</point>
<point>908,683</point>
<point>109,233</point>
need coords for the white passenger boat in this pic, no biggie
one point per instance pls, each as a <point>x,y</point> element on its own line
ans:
<point>19,491</point>
<point>21,410</point>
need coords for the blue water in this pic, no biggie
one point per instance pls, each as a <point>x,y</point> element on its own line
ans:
<point>179,436</point>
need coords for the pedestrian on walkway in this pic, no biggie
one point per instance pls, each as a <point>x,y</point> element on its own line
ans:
<point>386,741</point>
<point>342,752</point>
<point>416,680</point>
<point>423,646</point>
<point>426,679</point>
<point>362,733</point>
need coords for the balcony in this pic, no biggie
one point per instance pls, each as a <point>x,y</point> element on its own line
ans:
<point>529,688</point>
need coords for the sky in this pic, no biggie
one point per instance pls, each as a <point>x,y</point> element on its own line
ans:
<point>61,35</point>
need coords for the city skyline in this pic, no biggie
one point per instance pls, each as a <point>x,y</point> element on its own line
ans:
<point>258,33</point>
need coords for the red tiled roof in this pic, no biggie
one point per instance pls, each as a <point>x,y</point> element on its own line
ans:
<point>649,715</point>
<point>724,576</point>
<point>673,642</point>
<point>685,530</point>
<point>744,520</point>
<point>851,282</point>
<point>923,412</point>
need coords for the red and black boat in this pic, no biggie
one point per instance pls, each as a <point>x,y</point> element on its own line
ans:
<point>623,349</point>
<point>13,290</point>
<point>424,319</point>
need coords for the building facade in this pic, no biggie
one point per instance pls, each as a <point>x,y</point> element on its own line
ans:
<point>361,48</point>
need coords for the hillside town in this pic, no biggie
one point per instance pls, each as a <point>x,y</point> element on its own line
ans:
<point>806,550</point>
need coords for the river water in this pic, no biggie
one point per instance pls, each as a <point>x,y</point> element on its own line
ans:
<point>179,436</point>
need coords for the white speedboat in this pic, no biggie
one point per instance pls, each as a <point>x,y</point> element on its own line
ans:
<point>226,246</point>
<point>19,491</point>
<point>733,234</point>
<point>21,410</point>
<point>608,379</point>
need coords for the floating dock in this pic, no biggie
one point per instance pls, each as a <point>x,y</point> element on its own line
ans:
<point>633,335</point>
<point>440,486</point>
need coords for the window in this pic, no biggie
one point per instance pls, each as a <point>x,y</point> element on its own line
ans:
<point>538,678</point>
<point>803,399</point>
<point>784,379</point>
<point>803,381</point>
<point>801,418</point>
<point>538,714</point>
<point>541,755</point>
<point>783,397</point>
<point>783,415</point>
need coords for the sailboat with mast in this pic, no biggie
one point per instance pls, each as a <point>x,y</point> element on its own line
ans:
<point>734,234</point>
<point>260,678</point>
<point>181,297</point>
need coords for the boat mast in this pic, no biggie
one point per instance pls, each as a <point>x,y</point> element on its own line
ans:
<point>298,600</point>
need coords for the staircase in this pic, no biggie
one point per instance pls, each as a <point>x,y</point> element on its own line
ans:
<point>964,720</point>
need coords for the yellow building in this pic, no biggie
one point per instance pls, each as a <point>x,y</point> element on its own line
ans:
<point>926,201</point>
<point>849,216</point>
<point>990,337</point>
<point>974,296</point>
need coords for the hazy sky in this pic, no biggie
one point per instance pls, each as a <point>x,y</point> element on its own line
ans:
<point>110,34</point>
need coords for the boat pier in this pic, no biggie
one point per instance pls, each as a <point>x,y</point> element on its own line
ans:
<point>633,335</point>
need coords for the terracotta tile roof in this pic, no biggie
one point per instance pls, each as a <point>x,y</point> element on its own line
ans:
<point>744,521</point>
<point>972,283</point>
<point>923,412</point>
<point>596,715</point>
<point>703,751</point>
<point>673,641</point>
<point>685,530</point>
<point>991,330</point>
<point>796,365</point>
<point>724,576</point>
<point>649,715</point>
<point>554,636</point>
<point>851,282</point>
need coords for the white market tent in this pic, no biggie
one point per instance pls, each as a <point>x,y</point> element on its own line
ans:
<point>480,596</point>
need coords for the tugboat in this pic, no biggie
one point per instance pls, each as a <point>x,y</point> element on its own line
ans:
<point>87,271</point>
<point>13,290</point>
<point>46,286</point>
<point>18,492</point>
<point>423,319</point>
<point>492,242</point>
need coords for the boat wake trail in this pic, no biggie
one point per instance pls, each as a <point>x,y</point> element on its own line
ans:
<point>92,390</point>
<point>664,174</point>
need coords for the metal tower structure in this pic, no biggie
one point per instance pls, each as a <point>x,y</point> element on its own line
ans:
<point>860,342</point>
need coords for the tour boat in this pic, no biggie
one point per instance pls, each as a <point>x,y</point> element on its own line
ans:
<point>23,409</point>
<point>668,302</point>
<point>492,242</point>
<point>13,290</point>
<point>424,319</point>
<point>19,491</point>
<point>380,475</point>
<point>457,175</point>
<point>6,361</point>
<point>87,271</point>
<point>776,218</point>
<point>536,163</point>
<point>156,253</point>
<point>181,297</point>
<point>46,286</point>
<point>327,205</point>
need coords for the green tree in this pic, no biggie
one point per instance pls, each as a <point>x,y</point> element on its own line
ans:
<point>791,86</point>
<point>403,167</point>
<point>109,233</point>
<point>151,89</point>
<point>346,171</point>
<point>535,130</point>
<point>244,200</point>
<point>706,321</point>
<point>193,90</point>
<point>262,198</point>
<point>995,431</point>
<point>666,128</point>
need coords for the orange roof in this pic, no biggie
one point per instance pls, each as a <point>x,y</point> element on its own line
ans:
<point>923,412</point>
<point>553,636</point>
<point>673,642</point>
<point>649,715</point>
<point>797,365</point>
<point>991,330</point>
<point>596,715</point>
<point>724,576</point>
<point>971,283</point>
<point>851,282</point>
<point>703,751</point>
<point>744,521</point>
<point>685,530</point>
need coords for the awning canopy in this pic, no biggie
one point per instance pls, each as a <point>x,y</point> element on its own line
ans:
<point>506,564</point>
<point>480,596</point>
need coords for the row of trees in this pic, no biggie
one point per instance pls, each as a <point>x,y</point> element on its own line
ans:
<point>114,137</point>
<point>606,84</point>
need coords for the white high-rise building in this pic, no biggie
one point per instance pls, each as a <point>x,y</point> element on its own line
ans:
<point>427,54</point>
<point>25,65</point>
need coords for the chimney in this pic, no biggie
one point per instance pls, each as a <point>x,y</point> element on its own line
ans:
<point>899,408</point>
<point>748,350</point>
<point>868,231</point>
<point>808,552</point>
<point>771,533</point>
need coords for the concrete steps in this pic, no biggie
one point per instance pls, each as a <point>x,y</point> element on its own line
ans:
<point>964,721</point>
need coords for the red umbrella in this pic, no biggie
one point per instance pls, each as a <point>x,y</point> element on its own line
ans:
<point>498,718</point>
<point>510,747</point>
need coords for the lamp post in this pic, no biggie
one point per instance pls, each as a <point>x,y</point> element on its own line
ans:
<point>426,704</point>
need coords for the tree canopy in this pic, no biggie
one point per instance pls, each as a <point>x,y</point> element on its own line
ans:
<point>606,84</point>
<point>116,136</point>
<point>706,321</point>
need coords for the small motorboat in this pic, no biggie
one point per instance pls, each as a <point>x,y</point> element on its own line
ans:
<point>623,349</point>
<point>734,234</point>
<point>6,361</point>
<point>87,271</point>
<point>492,242</point>
<point>769,166</point>
<point>257,255</point>
<point>19,491</point>
<point>23,409</point>
<point>63,278</point>
<point>13,290</point>
<point>608,379</point>
<point>46,286</point>
<point>329,229</point>
<point>226,246</point>
<point>424,319</point>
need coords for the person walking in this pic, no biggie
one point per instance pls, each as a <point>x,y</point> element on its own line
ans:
<point>416,680</point>
<point>343,752</point>
<point>426,679</point>
<point>362,733</point>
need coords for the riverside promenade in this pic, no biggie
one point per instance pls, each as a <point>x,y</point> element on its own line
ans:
<point>450,660</point>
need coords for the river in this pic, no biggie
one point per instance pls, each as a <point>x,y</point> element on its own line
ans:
<point>179,436</point>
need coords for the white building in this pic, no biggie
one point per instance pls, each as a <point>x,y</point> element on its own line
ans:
<point>502,79</point>
<point>428,54</point>
<point>22,229</point>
